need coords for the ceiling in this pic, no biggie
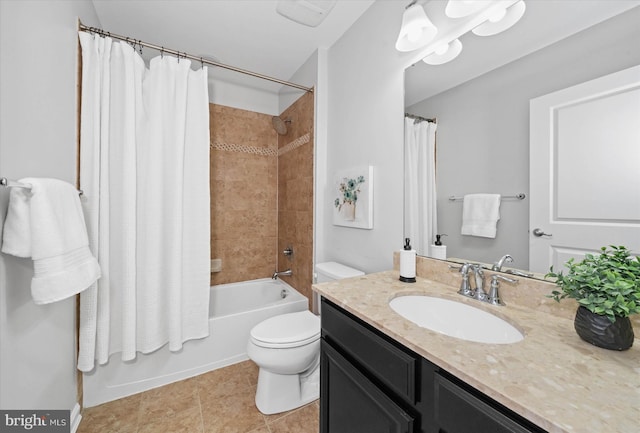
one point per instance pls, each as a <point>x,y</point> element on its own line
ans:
<point>544,23</point>
<point>248,34</point>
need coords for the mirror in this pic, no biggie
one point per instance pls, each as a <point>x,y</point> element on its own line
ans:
<point>481,103</point>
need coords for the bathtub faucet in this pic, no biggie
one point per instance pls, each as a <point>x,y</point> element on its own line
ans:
<point>286,273</point>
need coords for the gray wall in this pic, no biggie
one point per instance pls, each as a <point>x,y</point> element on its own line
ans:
<point>38,61</point>
<point>365,80</point>
<point>483,130</point>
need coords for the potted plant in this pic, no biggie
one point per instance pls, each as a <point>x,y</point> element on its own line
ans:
<point>607,288</point>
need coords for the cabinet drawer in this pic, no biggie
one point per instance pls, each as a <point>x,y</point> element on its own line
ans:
<point>459,411</point>
<point>394,366</point>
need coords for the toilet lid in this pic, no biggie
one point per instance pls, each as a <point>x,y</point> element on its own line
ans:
<point>287,330</point>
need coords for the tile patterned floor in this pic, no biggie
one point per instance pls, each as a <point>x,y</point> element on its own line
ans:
<point>221,401</point>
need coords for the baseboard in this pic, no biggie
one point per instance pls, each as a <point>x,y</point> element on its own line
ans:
<point>75,418</point>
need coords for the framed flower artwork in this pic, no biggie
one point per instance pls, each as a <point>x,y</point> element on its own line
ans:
<point>352,195</point>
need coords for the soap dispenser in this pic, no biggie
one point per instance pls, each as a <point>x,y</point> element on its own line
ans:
<point>438,251</point>
<point>408,263</point>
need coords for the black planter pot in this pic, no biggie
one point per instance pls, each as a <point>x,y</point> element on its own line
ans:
<point>599,331</point>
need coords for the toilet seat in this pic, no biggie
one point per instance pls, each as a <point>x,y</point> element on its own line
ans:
<point>287,330</point>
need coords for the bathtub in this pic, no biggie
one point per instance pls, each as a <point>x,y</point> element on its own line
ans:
<point>233,310</point>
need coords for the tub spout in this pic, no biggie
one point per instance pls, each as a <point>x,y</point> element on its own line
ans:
<point>286,273</point>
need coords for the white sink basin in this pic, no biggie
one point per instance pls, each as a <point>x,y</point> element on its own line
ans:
<point>455,319</point>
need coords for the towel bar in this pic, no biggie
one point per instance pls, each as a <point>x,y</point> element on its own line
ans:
<point>519,196</point>
<point>13,184</point>
<point>8,183</point>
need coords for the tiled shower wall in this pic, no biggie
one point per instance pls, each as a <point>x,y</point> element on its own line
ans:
<point>244,184</point>
<point>295,194</point>
<point>262,194</point>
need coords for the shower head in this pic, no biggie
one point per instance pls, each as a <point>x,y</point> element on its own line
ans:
<point>280,125</point>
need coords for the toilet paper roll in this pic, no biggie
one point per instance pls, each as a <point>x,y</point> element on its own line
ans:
<point>408,266</point>
<point>439,251</point>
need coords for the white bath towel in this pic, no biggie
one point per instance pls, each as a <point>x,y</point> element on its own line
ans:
<point>480,215</point>
<point>46,223</point>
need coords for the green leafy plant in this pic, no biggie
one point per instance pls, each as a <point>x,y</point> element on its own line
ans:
<point>607,284</point>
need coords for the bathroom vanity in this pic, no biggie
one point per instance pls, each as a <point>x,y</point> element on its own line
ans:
<point>382,373</point>
<point>370,383</point>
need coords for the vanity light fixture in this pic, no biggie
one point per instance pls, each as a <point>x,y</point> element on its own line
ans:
<point>463,8</point>
<point>444,53</point>
<point>482,17</point>
<point>417,30</point>
<point>500,19</point>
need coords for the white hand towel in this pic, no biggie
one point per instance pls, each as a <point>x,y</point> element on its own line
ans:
<point>46,223</point>
<point>480,215</point>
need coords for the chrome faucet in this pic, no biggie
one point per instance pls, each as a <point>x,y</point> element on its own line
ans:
<point>465,289</point>
<point>476,292</point>
<point>494,297</point>
<point>497,266</point>
<point>479,292</point>
<point>286,273</point>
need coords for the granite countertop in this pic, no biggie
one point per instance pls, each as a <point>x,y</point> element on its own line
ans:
<point>552,377</point>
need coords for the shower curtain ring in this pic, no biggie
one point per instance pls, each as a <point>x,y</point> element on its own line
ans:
<point>162,53</point>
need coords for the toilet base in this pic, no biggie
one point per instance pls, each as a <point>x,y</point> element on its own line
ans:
<point>282,392</point>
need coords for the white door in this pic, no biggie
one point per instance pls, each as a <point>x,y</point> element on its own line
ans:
<point>585,170</point>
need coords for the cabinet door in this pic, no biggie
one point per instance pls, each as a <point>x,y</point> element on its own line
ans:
<point>350,403</point>
<point>392,365</point>
<point>459,411</point>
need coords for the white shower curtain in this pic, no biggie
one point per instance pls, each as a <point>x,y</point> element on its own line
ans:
<point>144,170</point>
<point>420,213</point>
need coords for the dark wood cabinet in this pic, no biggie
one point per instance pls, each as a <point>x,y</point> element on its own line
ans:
<point>370,383</point>
<point>392,364</point>
<point>452,399</point>
<point>353,403</point>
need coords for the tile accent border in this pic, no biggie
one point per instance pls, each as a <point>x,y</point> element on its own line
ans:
<point>241,148</point>
<point>263,151</point>
<point>304,139</point>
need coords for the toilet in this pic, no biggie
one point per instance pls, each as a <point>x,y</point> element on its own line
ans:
<point>286,348</point>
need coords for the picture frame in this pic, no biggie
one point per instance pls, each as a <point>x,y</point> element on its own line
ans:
<point>352,197</point>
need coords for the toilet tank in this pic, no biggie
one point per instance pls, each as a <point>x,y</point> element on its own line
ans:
<point>331,271</point>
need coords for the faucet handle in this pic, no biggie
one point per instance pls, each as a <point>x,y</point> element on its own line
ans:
<point>519,273</point>
<point>494,296</point>
<point>503,278</point>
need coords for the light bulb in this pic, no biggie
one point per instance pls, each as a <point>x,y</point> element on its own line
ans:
<point>441,49</point>
<point>444,53</point>
<point>416,31</point>
<point>500,19</point>
<point>414,34</point>
<point>497,15</point>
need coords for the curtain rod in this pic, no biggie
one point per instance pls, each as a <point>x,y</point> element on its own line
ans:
<point>190,56</point>
<point>422,119</point>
